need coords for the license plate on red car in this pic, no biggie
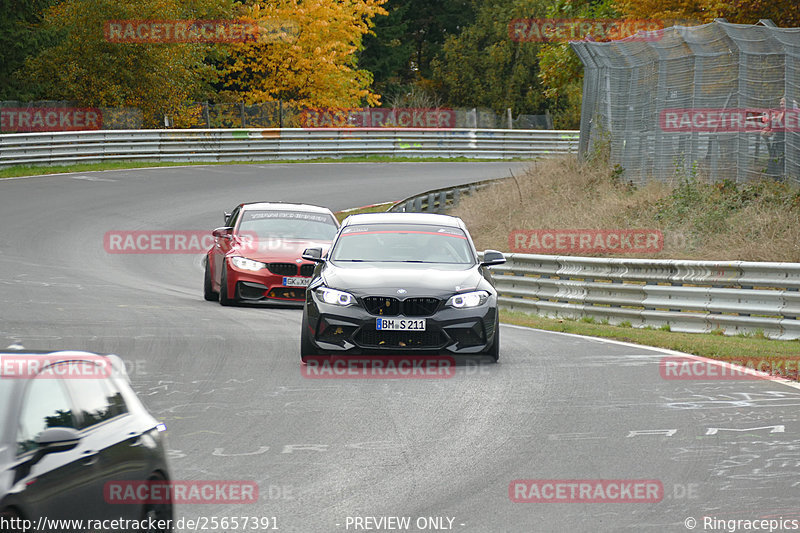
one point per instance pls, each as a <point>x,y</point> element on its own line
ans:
<point>396,324</point>
<point>296,282</point>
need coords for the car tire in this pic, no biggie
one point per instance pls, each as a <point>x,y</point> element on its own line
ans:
<point>494,351</point>
<point>208,291</point>
<point>224,299</point>
<point>7,515</point>
<point>158,511</point>
<point>307,349</point>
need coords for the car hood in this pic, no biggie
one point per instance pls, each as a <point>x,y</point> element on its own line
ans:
<point>385,279</point>
<point>276,250</point>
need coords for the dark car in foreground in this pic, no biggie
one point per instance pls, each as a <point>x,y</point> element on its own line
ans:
<point>69,424</point>
<point>256,256</point>
<point>396,283</point>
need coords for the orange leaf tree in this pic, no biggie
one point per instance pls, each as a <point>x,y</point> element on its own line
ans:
<point>306,53</point>
<point>785,13</point>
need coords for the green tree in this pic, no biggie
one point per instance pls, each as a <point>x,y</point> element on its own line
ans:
<point>400,50</point>
<point>561,71</point>
<point>83,66</point>
<point>484,67</point>
<point>19,39</point>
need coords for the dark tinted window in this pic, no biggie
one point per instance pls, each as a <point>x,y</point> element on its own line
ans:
<point>46,405</point>
<point>413,243</point>
<point>288,225</point>
<point>96,400</point>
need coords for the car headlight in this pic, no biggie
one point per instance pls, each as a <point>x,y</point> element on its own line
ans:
<point>334,297</point>
<point>468,299</point>
<point>247,264</point>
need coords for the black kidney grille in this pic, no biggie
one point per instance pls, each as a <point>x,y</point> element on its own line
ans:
<point>382,306</point>
<point>420,306</point>
<point>307,270</point>
<point>283,269</point>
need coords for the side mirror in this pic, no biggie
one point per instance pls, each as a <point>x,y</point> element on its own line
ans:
<point>57,439</point>
<point>223,233</point>
<point>313,254</point>
<point>226,216</point>
<point>492,258</point>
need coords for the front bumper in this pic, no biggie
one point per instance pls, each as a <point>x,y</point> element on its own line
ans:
<point>344,330</point>
<point>263,287</point>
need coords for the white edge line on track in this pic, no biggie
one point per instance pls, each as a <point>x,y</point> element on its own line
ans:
<point>723,364</point>
<point>100,171</point>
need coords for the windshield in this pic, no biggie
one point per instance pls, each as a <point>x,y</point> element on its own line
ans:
<point>413,243</point>
<point>288,225</point>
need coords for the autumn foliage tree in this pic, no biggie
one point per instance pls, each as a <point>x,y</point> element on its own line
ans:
<point>784,13</point>
<point>307,54</point>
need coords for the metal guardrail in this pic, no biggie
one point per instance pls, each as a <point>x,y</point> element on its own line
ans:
<point>689,296</point>
<point>217,145</point>
<point>439,200</point>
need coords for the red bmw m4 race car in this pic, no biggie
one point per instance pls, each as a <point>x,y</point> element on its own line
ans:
<point>256,256</point>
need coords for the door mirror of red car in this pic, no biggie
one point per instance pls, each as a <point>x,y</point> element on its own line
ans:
<point>313,254</point>
<point>223,233</point>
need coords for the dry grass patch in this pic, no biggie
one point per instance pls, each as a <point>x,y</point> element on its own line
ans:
<point>757,221</point>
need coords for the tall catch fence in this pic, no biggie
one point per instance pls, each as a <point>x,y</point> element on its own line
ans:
<point>720,100</point>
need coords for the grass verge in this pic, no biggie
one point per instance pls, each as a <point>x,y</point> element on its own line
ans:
<point>34,170</point>
<point>714,346</point>
<point>700,219</point>
<point>377,208</point>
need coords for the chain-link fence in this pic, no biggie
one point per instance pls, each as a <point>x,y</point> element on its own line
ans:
<point>288,115</point>
<point>67,116</point>
<point>719,99</point>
